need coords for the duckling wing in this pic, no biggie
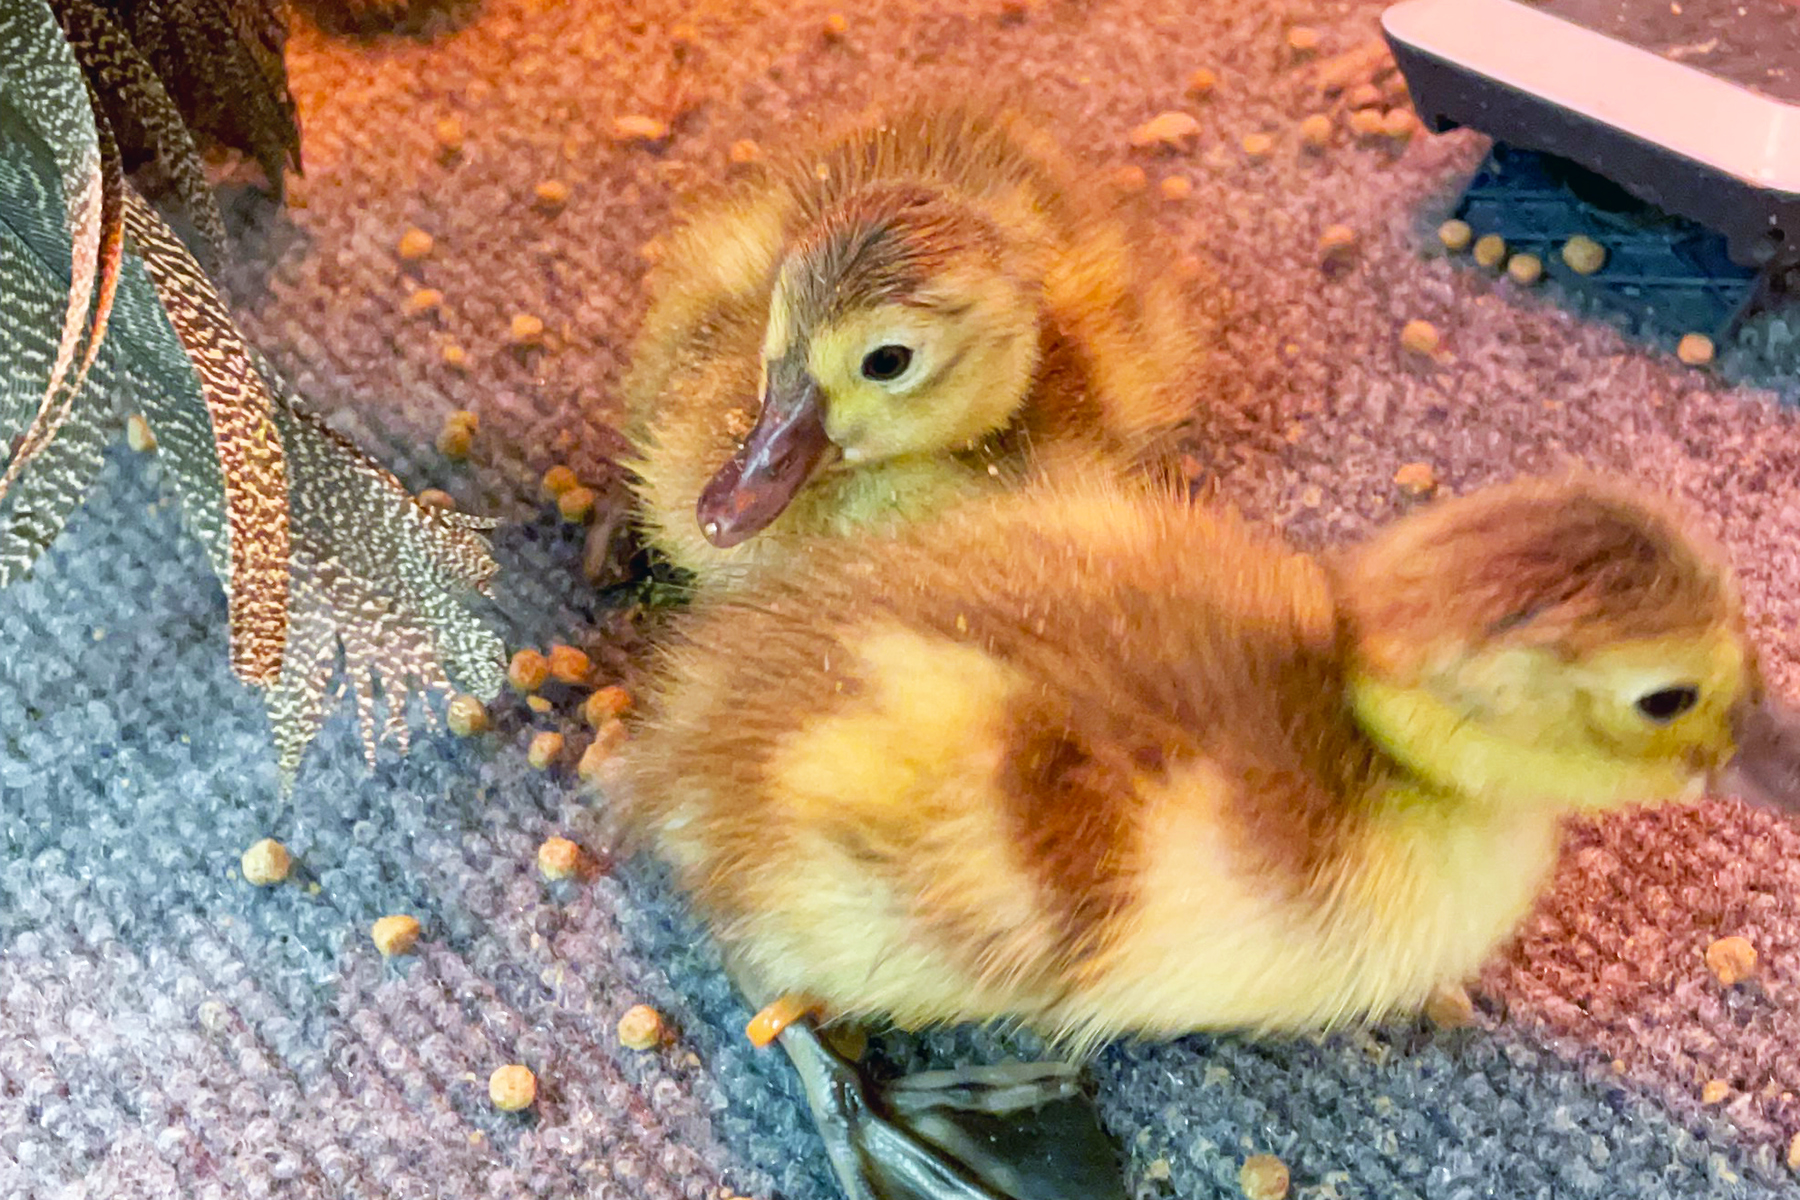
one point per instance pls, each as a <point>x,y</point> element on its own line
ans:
<point>1124,352</point>
<point>910,776</point>
<point>832,806</point>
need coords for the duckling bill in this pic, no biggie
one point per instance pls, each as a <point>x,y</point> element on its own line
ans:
<point>784,450</point>
<point>1766,768</point>
<point>1106,764</point>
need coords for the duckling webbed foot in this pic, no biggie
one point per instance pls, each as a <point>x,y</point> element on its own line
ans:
<point>1021,1131</point>
<point>624,570</point>
<point>613,552</point>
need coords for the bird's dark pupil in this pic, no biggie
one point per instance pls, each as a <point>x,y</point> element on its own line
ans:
<point>886,362</point>
<point>1668,703</point>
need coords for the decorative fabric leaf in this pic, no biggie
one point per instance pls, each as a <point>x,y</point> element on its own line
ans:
<point>37,75</point>
<point>37,72</point>
<point>41,91</point>
<point>38,506</point>
<point>364,566</point>
<point>249,449</point>
<point>102,278</point>
<point>381,574</point>
<point>142,358</point>
<point>112,240</point>
<point>221,60</point>
<point>142,116</point>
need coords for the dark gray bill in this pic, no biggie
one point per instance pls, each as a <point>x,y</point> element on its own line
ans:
<point>779,457</point>
<point>1766,768</point>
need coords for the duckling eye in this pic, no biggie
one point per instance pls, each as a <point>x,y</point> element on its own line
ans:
<point>1665,704</point>
<point>885,363</point>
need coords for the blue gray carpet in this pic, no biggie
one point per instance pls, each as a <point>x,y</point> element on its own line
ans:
<point>168,1030</point>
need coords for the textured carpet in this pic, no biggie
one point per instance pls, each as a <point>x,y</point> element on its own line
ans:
<point>167,1030</point>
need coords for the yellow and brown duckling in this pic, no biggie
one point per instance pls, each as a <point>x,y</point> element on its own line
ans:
<point>890,319</point>
<point>1109,764</point>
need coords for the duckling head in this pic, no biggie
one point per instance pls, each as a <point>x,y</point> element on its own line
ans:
<point>903,322</point>
<point>1561,642</point>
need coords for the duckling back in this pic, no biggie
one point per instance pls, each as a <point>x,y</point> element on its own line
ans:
<point>1084,758</point>
<point>1116,350</point>
<point>1078,758</point>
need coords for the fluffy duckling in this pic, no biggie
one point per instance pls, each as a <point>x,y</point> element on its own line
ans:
<point>1107,764</point>
<point>880,322</point>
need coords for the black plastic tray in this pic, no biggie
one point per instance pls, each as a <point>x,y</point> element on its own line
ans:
<point>1691,141</point>
<point>1665,274</point>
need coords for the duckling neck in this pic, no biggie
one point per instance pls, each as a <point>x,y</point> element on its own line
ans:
<point>1061,408</point>
<point>894,492</point>
<point>1453,755</point>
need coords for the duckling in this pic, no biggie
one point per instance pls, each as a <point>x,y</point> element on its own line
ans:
<point>928,305</point>
<point>1105,763</point>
